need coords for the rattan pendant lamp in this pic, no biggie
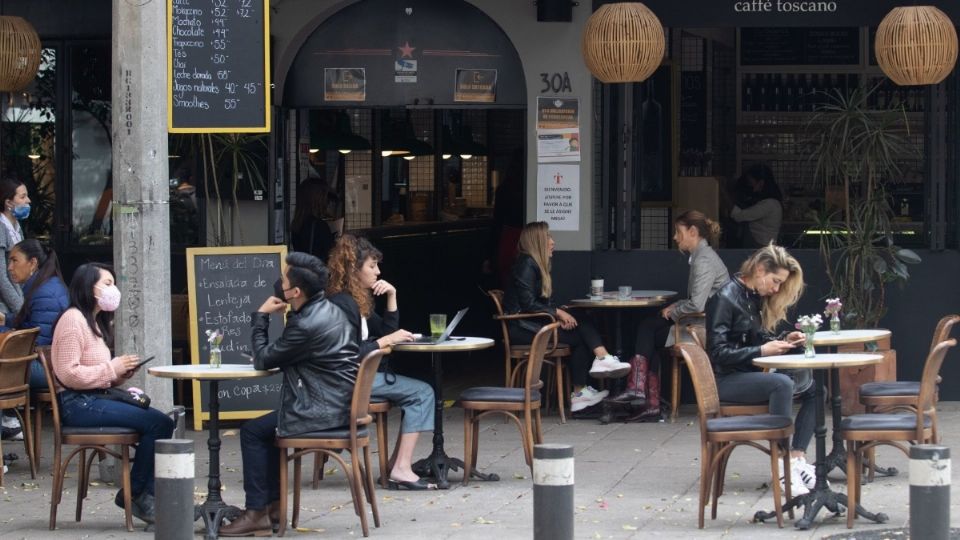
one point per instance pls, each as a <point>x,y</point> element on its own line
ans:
<point>19,53</point>
<point>623,42</point>
<point>916,45</point>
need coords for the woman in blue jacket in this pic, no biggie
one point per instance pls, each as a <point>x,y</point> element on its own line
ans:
<point>35,268</point>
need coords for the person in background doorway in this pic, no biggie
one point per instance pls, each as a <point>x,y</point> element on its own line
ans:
<point>694,234</point>
<point>355,275</point>
<point>529,291</point>
<point>309,230</point>
<point>761,207</point>
<point>35,268</point>
<point>507,220</point>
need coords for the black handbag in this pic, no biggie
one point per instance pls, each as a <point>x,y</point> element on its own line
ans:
<point>131,398</point>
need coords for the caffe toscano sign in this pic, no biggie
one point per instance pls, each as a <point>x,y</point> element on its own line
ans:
<point>784,6</point>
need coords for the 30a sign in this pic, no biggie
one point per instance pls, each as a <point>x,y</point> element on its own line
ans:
<point>555,83</point>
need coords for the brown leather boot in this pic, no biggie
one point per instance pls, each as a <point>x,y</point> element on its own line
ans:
<point>249,523</point>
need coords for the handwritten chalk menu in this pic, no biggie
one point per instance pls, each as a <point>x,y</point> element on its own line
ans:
<point>226,285</point>
<point>218,72</point>
<point>799,46</point>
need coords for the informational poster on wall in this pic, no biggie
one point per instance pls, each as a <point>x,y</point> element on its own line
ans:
<point>558,196</point>
<point>558,130</point>
<point>344,84</point>
<point>475,86</point>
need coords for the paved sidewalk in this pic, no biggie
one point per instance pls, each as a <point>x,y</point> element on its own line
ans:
<point>632,481</point>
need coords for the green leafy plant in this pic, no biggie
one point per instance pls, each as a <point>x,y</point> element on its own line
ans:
<point>861,148</point>
<point>228,164</point>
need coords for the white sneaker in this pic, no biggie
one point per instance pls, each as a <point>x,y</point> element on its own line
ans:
<point>810,474</point>
<point>801,478</point>
<point>5,469</point>
<point>609,367</point>
<point>10,422</point>
<point>586,397</point>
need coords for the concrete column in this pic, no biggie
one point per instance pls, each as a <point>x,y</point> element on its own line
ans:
<point>141,219</point>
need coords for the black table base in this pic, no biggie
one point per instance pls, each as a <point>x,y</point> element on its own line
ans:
<point>438,464</point>
<point>821,496</point>
<point>837,458</point>
<point>214,510</point>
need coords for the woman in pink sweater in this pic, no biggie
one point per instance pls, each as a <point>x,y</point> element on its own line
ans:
<point>84,367</point>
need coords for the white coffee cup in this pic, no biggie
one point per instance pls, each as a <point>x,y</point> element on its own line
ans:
<point>596,288</point>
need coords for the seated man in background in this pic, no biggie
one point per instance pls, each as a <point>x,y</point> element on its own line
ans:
<point>317,354</point>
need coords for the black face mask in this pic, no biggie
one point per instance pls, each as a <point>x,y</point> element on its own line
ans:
<point>278,290</point>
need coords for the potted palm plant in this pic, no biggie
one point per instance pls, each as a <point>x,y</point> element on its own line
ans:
<point>861,149</point>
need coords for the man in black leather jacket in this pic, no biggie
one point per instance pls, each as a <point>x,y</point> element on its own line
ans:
<point>317,354</point>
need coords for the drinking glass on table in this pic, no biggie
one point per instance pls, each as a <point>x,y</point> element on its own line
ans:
<point>624,292</point>
<point>438,323</point>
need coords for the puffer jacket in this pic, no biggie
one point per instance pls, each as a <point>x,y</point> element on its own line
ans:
<point>48,301</point>
<point>734,328</point>
<point>523,294</point>
<point>317,354</point>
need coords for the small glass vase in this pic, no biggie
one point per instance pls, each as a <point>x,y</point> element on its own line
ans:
<point>215,357</point>
<point>808,349</point>
<point>835,323</point>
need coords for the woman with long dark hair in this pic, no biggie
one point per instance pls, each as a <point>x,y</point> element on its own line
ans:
<point>309,231</point>
<point>530,290</point>
<point>760,206</point>
<point>34,267</point>
<point>355,276</point>
<point>84,368</point>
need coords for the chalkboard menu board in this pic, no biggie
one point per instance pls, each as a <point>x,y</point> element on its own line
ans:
<point>799,46</point>
<point>218,73</point>
<point>225,286</point>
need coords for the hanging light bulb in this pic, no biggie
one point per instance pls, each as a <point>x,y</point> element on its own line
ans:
<point>344,151</point>
<point>386,153</point>
<point>409,158</point>
<point>466,156</point>
<point>314,150</point>
<point>33,156</point>
<point>446,156</point>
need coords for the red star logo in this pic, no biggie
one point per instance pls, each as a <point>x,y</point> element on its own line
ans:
<point>406,51</point>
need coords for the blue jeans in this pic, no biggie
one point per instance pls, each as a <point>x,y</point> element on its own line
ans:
<point>38,378</point>
<point>261,461</point>
<point>413,396</point>
<point>79,409</point>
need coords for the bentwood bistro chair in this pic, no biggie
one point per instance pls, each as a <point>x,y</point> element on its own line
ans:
<point>863,432</point>
<point>16,355</point>
<point>720,435</point>
<point>94,440</point>
<point>354,438</point>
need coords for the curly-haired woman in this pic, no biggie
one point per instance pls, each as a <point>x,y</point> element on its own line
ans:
<point>354,265</point>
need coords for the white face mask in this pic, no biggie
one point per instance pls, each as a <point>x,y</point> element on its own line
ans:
<point>109,299</point>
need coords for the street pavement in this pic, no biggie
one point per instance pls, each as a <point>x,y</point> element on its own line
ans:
<point>632,481</point>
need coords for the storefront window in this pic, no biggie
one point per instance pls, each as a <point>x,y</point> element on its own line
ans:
<point>92,156</point>
<point>29,149</point>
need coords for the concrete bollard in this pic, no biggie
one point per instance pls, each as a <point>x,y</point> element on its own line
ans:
<point>553,492</point>
<point>930,492</point>
<point>174,489</point>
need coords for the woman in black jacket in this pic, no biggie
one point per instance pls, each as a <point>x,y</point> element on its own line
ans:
<point>742,319</point>
<point>354,280</point>
<point>529,290</point>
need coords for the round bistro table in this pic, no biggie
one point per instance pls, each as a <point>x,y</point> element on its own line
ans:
<point>438,463</point>
<point>213,510</point>
<point>821,495</point>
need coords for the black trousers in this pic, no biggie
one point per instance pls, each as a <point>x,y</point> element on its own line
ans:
<point>261,461</point>
<point>652,333</point>
<point>583,339</point>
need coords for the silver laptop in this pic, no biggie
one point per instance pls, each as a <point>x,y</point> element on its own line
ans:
<point>429,340</point>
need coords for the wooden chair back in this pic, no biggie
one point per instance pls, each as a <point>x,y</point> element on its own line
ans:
<point>942,332</point>
<point>699,334</point>
<point>496,296</point>
<point>16,353</point>
<point>928,382</point>
<point>704,383</point>
<point>538,350</point>
<point>44,354</point>
<point>360,403</point>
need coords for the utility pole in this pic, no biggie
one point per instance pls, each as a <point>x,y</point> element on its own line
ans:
<point>141,218</point>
